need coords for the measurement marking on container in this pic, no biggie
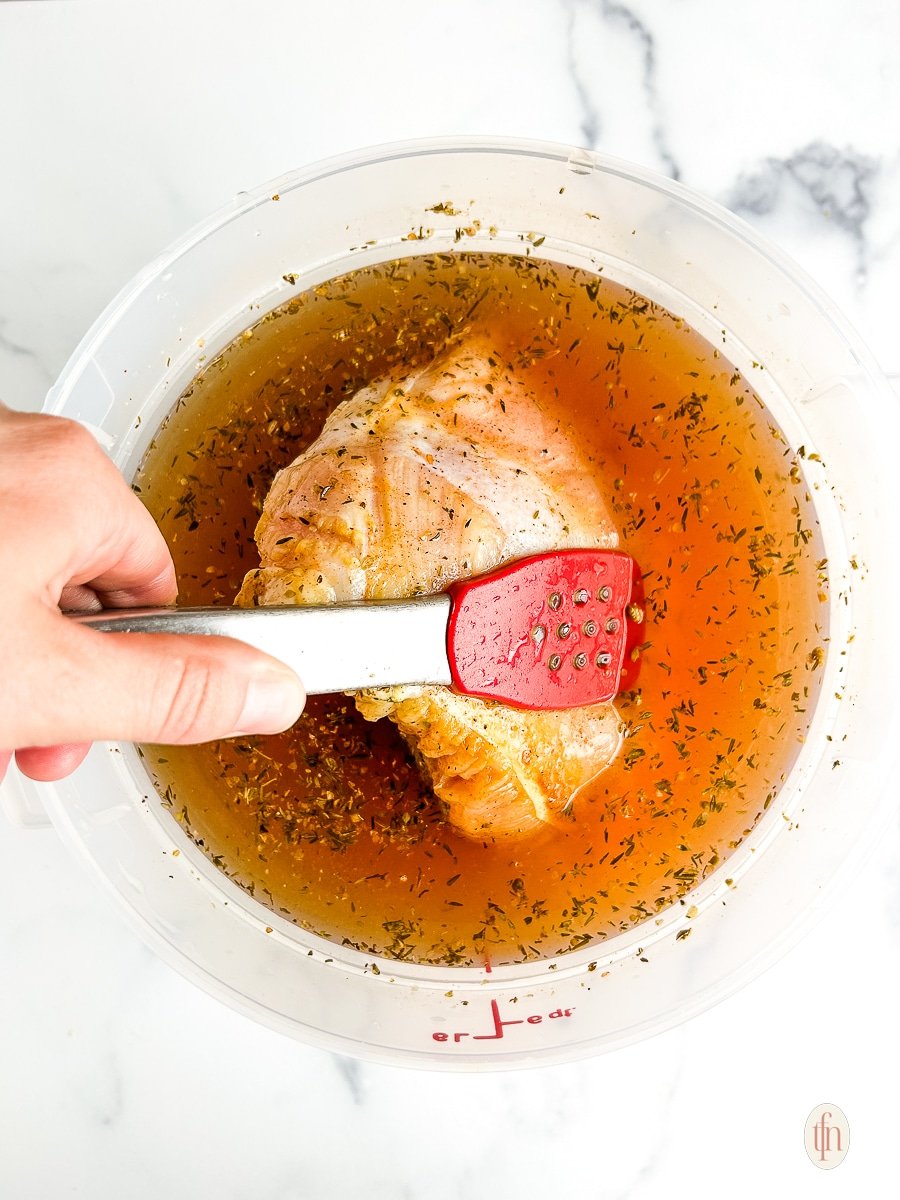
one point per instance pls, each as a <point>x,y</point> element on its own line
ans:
<point>500,1025</point>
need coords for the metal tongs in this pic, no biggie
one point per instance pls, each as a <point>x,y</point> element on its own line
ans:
<point>552,631</point>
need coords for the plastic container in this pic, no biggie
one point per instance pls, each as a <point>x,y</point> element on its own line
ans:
<point>822,388</point>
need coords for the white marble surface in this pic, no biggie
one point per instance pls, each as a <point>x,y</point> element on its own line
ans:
<point>123,125</point>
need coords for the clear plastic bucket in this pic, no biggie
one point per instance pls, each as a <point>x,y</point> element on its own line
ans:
<point>822,388</point>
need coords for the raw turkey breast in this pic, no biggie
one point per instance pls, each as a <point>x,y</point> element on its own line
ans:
<point>415,482</point>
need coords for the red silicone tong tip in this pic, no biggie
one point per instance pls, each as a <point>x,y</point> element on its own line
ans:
<point>557,630</point>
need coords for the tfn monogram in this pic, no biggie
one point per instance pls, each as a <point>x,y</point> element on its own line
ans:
<point>827,1136</point>
<point>823,1133</point>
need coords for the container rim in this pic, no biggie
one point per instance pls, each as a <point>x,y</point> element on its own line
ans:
<point>582,162</point>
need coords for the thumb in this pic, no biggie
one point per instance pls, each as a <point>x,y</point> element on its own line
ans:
<point>170,689</point>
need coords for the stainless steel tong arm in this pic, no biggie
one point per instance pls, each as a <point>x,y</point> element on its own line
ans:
<point>332,647</point>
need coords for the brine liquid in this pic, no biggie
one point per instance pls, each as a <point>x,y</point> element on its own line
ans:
<point>330,824</point>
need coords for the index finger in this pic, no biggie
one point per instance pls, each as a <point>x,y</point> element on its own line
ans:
<point>84,524</point>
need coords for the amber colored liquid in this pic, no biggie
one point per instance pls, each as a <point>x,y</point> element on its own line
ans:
<point>329,823</point>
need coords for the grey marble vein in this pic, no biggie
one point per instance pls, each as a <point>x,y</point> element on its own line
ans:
<point>890,880</point>
<point>589,116</point>
<point>351,1071</point>
<point>612,13</point>
<point>10,346</point>
<point>649,1169</point>
<point>838,182</point>
<point>110,1113</point>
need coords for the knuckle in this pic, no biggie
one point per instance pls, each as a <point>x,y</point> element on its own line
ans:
<point>54,454</point>
<point>75,450</point>
<point>61,434</point>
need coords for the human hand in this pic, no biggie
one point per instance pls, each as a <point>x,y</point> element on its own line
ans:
<point>73,535</point>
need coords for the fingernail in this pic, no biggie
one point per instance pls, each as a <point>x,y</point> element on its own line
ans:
<point>274,701</point>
